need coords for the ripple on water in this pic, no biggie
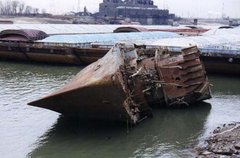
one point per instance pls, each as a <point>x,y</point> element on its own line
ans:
<point>22,125</point>
<point>34,132</point>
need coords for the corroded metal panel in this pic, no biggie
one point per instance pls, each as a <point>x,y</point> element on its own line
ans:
<point>183,76</point>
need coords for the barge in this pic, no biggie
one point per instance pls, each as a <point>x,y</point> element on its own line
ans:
<point>65,49</point>
<point>127,82</point>
<point>220,52</point>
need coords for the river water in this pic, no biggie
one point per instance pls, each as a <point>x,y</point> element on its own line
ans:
<point>27,131</point>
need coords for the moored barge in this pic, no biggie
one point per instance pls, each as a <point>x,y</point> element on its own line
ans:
<point>35,46</point>
<point>219,52</point>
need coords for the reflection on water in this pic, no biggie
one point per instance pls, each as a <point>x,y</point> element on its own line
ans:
<point>27,131</point>
<point>22,125</point>
<point>168,133</point>
<point>225,85</point>
<point>225,102</point>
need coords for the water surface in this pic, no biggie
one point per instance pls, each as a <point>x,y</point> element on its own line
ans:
<point>27,131</point>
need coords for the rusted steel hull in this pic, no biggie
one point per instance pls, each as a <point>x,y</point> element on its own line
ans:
<point>222,65</point>
<point>127,81</point>
<point>49,54</point>
<point>33,53</point>
<point>89,55</point>
<point>215,63</point>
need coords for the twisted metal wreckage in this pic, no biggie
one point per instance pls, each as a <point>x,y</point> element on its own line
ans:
<point>128,81</point>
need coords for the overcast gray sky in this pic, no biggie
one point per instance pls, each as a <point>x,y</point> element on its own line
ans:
<point>185,8</point>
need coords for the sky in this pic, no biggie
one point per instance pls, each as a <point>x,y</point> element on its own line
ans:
<point>183,8</point>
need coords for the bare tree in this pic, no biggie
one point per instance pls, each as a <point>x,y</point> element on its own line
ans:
<point>1,7</point>
<point>35,11</point>
<point>6,8</point>
<point>21,8</point>
<point>14,6</point>
<point>28,10</point>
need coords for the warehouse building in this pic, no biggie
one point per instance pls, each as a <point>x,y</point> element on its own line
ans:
<point>142,11</point>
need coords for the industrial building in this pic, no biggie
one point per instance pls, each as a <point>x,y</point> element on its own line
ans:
<point>142,11</point>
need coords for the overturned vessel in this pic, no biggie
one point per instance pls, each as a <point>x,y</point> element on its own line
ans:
<point>128,81</point>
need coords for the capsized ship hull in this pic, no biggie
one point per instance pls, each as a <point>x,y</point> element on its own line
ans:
<point>127,81</point>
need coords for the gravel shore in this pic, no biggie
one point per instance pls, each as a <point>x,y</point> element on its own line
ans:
<point>224,142</point>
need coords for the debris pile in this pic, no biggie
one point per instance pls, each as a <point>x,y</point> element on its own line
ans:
<point>224,141</point>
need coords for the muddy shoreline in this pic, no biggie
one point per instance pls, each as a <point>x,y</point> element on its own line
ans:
<point>224,142</point>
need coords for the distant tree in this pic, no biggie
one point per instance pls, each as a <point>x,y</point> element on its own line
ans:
<point>14,6</point>
<point>28,10</point>
<point>35,11</point>
<point>1,7</point>
<point>21,8</point>
<point>6,8</point>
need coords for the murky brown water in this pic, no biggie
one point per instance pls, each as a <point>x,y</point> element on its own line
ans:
<point>32,132</point>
